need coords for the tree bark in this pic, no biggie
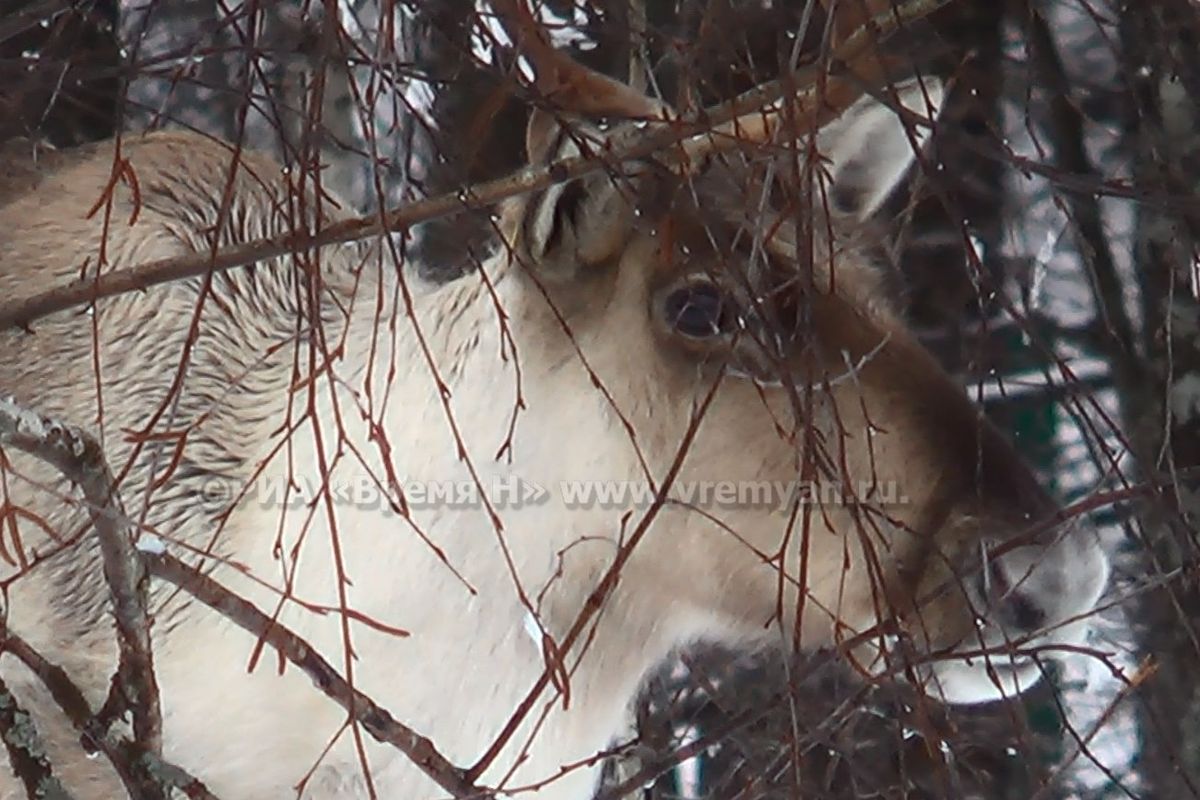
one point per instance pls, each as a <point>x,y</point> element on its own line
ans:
<point>1164,416</point>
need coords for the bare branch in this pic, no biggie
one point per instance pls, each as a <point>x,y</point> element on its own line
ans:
<point>376,720</point>
<point>79,457</point>
<point>851,16</point>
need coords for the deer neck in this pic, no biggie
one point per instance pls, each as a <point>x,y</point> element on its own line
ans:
<point>448,413</point>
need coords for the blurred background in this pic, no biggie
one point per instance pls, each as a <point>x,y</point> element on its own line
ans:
<point>1048,258</point>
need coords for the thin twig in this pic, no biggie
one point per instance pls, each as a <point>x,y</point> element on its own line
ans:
<point>754,115</point>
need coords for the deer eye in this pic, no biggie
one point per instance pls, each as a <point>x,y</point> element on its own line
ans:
<point>699,310</point>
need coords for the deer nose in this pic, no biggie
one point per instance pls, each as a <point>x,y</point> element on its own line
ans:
<point>1042,588</point>
<point>1012,599</point>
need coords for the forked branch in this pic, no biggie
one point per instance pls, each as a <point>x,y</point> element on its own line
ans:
<point>143,775</point>
<point>79,458</point>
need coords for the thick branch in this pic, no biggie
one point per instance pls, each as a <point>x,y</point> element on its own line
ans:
<point>854,66</point>
<point>26,753</point>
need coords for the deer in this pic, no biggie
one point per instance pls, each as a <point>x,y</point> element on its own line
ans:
<point>672,321</point>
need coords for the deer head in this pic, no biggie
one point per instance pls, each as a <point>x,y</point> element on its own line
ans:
<point>721,293</point>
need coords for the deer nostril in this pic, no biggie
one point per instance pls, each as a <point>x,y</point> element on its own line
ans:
<point>1015,605</point>
<point>1027,615</point>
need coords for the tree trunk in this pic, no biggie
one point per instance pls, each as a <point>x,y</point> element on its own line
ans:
<point>1164,416</point>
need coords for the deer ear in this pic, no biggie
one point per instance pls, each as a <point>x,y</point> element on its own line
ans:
<point>870,147</point>
<point>578,223</point>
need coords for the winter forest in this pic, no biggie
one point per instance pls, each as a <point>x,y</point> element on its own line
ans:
<point>1044,248</point>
